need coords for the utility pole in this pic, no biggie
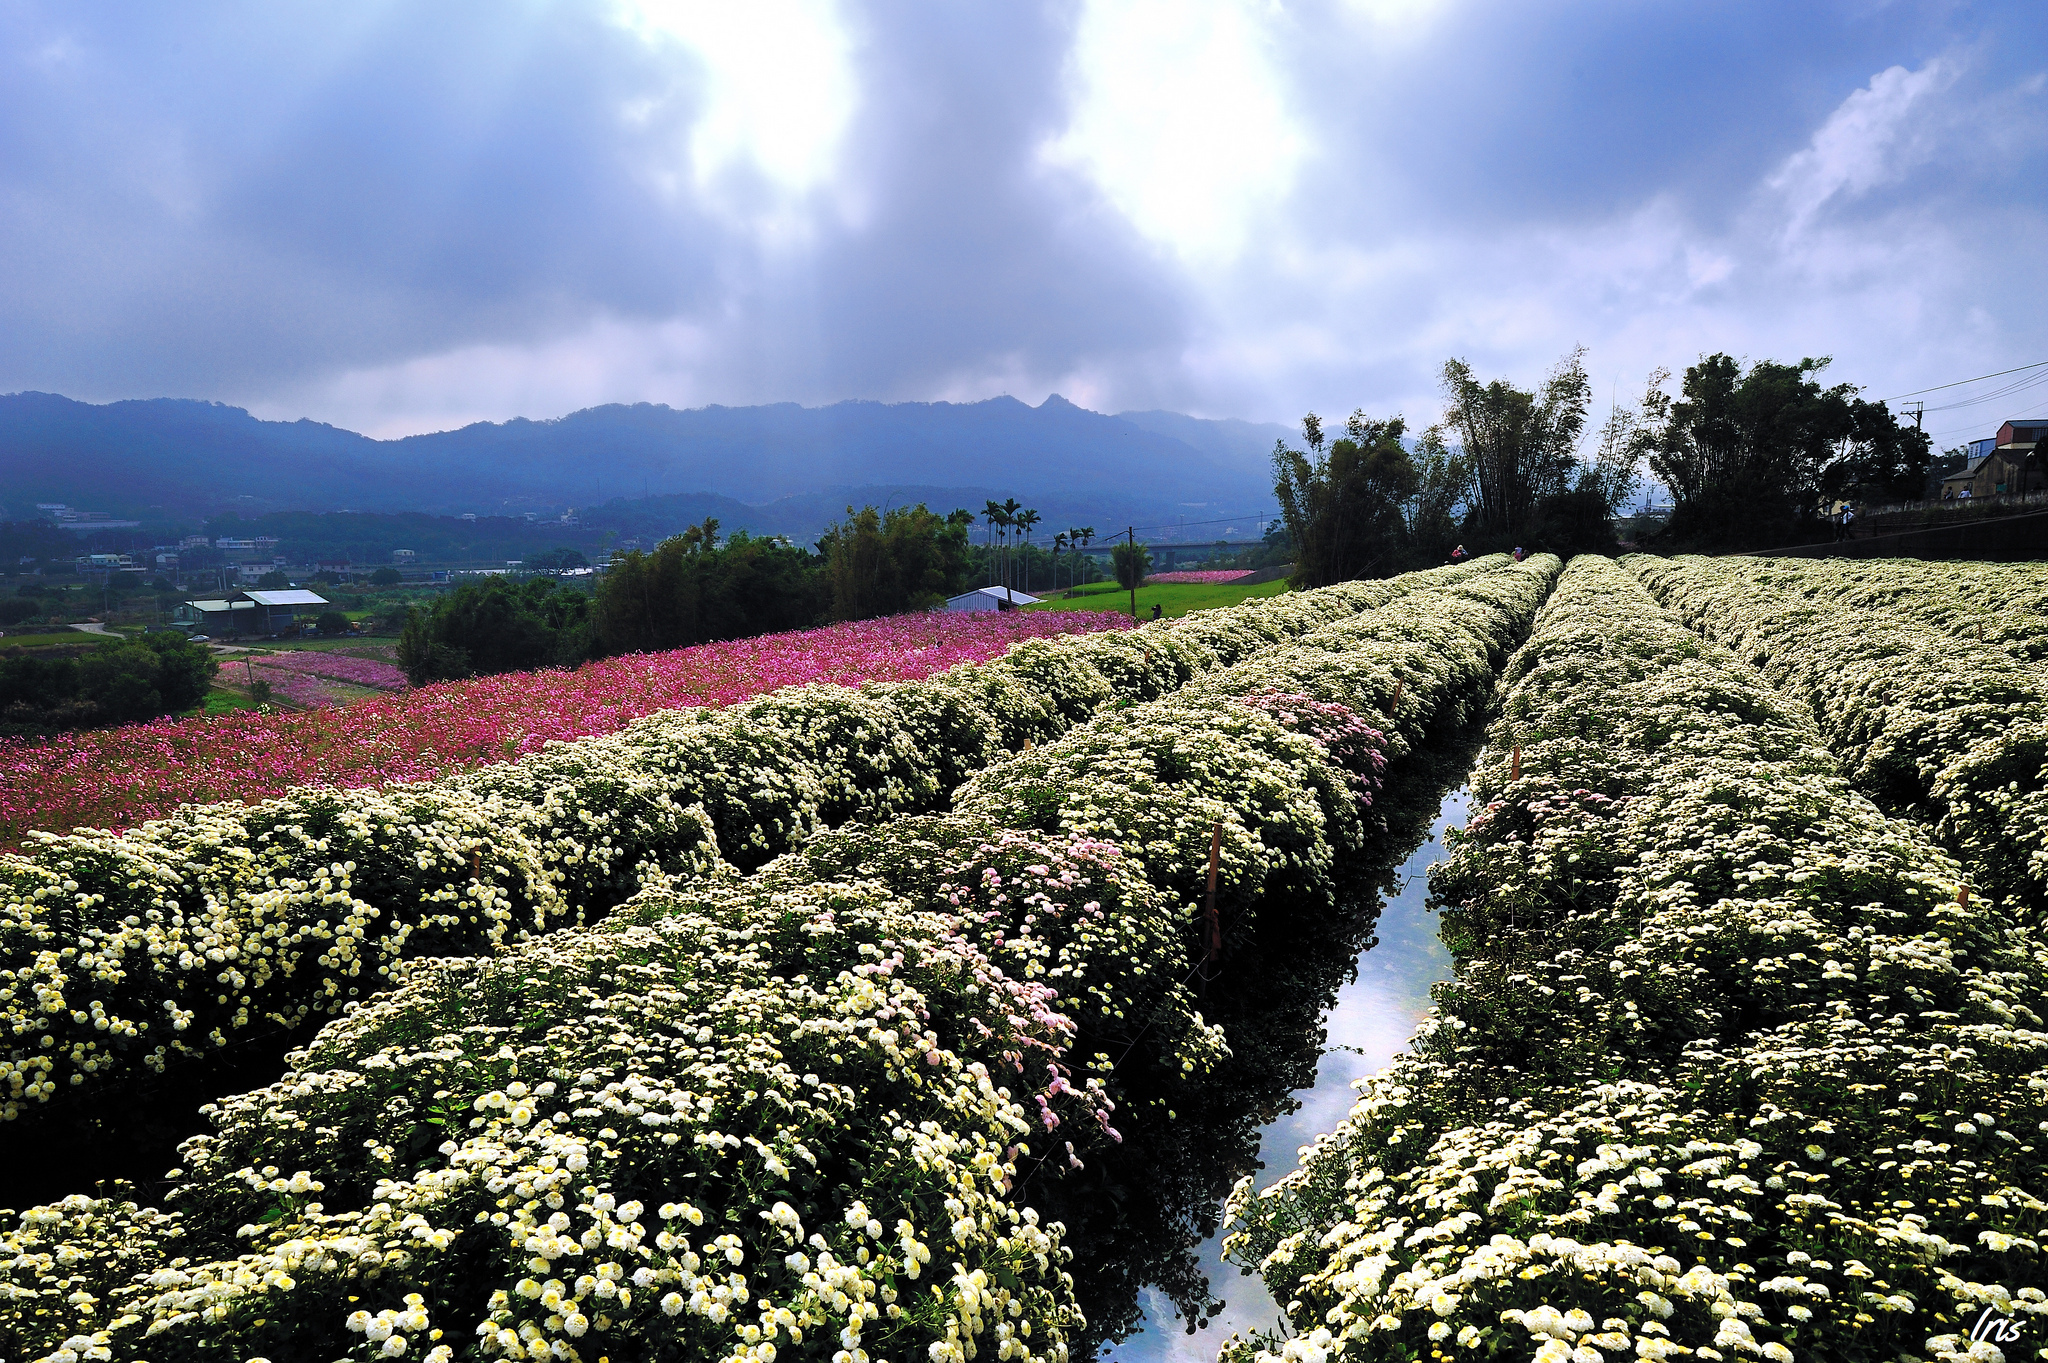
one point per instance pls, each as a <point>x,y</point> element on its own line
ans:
<point>1919,410</point>
<point>1131,537</point>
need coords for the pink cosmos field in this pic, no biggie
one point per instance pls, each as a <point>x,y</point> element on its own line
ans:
<point>337,667</point>
<point>1210,576</point>
<point>117,778</point>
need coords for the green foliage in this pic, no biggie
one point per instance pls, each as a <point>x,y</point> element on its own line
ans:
<point>386,577</point>
<point>1748,454</point>
<point>555,560</point>
<point>1131,562</point>
<point>1343,510</point>
<point>495,626</point>
<point>909,558</point>
<point>272,581</point>
<point>16,609</point>
<point>1522,446</point>
<point>332,622</point>
<point>121,682</point>
<point>692,590</point>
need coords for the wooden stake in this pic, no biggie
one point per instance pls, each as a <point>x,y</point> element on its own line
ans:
<point>1963,896</point>
<point>1515,768</point>
<point>1394,711</point>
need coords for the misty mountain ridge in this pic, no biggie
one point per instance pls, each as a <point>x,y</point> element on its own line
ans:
<point>165,457</point>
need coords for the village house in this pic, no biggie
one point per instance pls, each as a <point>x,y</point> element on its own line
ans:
<point>2004,463</point>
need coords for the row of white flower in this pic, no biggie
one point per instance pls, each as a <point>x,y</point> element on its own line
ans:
<point>124,954</point>
<point>1726,1070</point>
<point>795,1114</point>
<point>2002,604</point>
<point>1924,718</point>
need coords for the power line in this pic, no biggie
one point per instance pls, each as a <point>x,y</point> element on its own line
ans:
<point>1960,382</point>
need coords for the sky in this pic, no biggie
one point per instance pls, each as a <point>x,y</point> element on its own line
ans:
<point>405,217</point>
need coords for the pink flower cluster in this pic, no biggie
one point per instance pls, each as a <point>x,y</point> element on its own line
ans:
<point>1210,576</point>
<point>116,778</point>
<point>1353,745</point>
<point>381,676</point>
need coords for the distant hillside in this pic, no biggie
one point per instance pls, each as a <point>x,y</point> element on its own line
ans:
<point>169,458</point>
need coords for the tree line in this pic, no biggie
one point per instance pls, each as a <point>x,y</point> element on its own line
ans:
<point>1751,456</point>
<point>697,587</point>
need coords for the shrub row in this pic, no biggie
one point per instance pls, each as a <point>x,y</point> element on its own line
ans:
<point>123,955</point>
<point>803,1113</point>
<point>1922,718</point>
<point>1726,1069</point>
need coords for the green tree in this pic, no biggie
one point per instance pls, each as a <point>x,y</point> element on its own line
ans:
<point>909,558</point>
<point>1132,562</point>
<point>331,622</point>
<point>1521,446</point>
<point>386,576</point>
<point>691,590</point>
<point>1344,508</point>
<point>272,581</point>
<point>555,560</point>
<point>1443,484</point>
<point>120,682</point>
<point>1749,454</point>
<point>494,626</point>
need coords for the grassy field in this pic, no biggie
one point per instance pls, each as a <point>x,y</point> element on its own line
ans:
<point>43,638</point>
<point>1172,598</point>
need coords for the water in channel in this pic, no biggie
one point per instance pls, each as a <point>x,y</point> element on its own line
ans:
<point>1373,1018</point>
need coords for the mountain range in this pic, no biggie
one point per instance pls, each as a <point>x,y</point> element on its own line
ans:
<point>162,459</point>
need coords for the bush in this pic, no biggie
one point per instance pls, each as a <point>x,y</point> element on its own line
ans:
<point>121,682</point>
<point>332,623</point>
<point>386,577</point>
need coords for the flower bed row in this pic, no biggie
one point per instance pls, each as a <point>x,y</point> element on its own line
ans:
<point>807,1113</point>
<point>124,957</point>
<point>2004,604</point>
<point>1726,1071</point>
<point>370,672</point>
<point>118,778</point>
<point>1208,576</point>
<point>1922,718</point>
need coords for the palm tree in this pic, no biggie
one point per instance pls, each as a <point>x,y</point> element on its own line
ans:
<point>1086,535</point>
<point>1011,506</point>
<point>1025,520</point>
<point>993,514</point>
<point>1059,544</point>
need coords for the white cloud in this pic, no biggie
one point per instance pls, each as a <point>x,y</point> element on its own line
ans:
<point>1873,138</point>
<point>778,83</point>
<point>1178,118</point>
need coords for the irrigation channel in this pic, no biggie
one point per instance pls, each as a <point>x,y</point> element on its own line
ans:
<point>1373,1018</point>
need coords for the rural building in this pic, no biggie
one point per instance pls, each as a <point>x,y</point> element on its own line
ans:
<point>2005,463</point>
<point>215,618</point>
<point>255,613</point>
<point>990,599</point>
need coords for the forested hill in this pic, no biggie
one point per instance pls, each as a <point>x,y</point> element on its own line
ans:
<point>197,458</point>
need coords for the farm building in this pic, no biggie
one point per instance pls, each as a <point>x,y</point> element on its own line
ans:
<point>251,613</point>
<point>990,599</point>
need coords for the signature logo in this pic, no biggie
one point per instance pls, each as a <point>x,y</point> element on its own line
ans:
<point>1994,1328</point>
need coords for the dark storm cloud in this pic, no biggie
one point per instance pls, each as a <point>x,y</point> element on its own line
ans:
<point>396,216</point>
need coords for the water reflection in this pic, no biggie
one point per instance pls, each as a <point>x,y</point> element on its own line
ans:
<point>1373,1018</point>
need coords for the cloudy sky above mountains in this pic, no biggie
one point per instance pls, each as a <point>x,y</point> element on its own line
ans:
<point>401,217</point>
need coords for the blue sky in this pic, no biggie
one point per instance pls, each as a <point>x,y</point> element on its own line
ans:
<point>401,217</point>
